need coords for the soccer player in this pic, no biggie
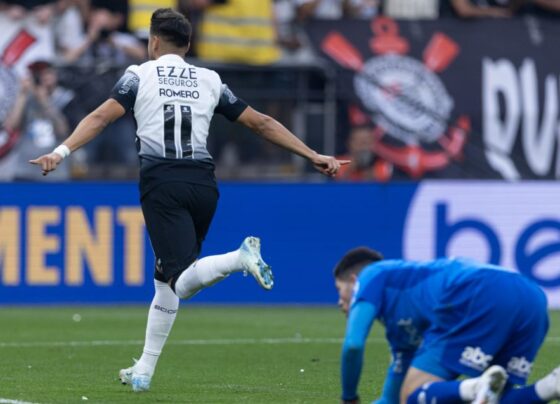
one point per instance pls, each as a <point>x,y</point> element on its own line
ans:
<point>173,103</point>
<point>443,319</point>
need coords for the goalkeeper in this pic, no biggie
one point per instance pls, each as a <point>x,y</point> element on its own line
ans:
<point>443,319</point>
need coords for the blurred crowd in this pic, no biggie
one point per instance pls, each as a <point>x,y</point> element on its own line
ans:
<point>90,42</point>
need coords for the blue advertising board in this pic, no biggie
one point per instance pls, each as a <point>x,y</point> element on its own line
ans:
<point>86,242</point>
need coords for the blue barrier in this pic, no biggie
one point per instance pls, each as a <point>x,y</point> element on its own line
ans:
<point>83,242</point>
<point>86,243</point>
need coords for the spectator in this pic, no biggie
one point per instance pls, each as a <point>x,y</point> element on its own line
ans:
<point>31,22</point>
<point>37,116</point>
<point>326,10</point>
<point>69,28</point>
<point>364,165</point>
<point>285,15</point>
<point>237,31</point>
<point>105,43</point>
<point>290,36</point>
<point>118,7</point>
<point>103,53</point>
<point>15,11</point>
<point>27,33</point>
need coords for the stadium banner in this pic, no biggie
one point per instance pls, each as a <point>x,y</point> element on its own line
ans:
<point>452,98</point>
<point>87,243</point>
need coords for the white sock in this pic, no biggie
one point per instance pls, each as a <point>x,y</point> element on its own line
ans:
<point>546,387</point>
<point>206,272</point>
<point>160,320</point>
<point>467,389</point>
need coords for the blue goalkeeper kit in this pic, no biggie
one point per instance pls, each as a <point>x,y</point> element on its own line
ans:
<point>447,317</point>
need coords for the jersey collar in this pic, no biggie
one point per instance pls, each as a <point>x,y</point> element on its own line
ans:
<point>171,57</point>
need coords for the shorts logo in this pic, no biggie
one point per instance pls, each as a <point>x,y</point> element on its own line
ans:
<point>475,358</point>
<point>520,367</point>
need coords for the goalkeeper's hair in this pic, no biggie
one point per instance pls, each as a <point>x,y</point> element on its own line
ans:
<point>355,260</point>
<point>171,26</point>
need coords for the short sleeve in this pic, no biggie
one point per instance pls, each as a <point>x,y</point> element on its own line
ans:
<point>126,89</point>
<point>229,105</point>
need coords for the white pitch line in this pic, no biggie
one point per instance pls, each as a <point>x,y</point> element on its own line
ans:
<point>8,401</point>
<point>233,341</point>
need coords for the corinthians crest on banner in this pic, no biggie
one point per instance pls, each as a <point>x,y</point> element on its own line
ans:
<point>407,103</point>
<point>450,98</point>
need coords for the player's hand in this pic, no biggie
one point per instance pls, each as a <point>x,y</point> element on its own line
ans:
<point>327,165</point>
<point>48,162</point>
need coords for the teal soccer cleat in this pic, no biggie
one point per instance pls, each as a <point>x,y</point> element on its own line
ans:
<point>252,262</point>
<point>139,382</point>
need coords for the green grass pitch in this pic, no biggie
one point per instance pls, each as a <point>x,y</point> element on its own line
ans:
<point>214,355</point>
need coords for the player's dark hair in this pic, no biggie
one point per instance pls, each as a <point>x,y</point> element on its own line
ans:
<point>172,26</point>
<point>355,260</point>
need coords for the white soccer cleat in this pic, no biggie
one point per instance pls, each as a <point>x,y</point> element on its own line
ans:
<point>490,385</point>
<point>125,375</point>
<point>549,386</point>
<point>139,382</point>
<point>252,262</point>
<point>556,375</point>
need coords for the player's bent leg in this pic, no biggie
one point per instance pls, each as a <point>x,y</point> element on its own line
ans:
<point>543,391</point>
<point>525,395</point>
<point>161,317</point>
<point>205,272</point>
<point>422,387</point>
<point>414,380</point>
<point>210,270</point>
<point>519,353</point>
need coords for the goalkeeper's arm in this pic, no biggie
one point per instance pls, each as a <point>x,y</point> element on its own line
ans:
<point>360,320</point>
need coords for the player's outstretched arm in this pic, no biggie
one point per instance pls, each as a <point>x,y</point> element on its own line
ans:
<point>86,131</point>
<point>361,317</point>
<point>273,131</point>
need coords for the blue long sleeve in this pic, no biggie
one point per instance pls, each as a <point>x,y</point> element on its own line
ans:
<point>395,377</point>
<point>359,323</point>
<point>392,388</point>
